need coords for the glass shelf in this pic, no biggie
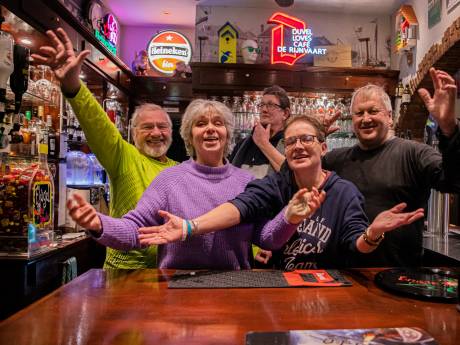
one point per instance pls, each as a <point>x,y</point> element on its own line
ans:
<point>34,98</point>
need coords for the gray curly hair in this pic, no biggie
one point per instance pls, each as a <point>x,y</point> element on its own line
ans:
<point>201,106</point>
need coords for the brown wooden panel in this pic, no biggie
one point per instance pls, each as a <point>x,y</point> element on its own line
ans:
<point>329,82</point>
<point>136,307</point>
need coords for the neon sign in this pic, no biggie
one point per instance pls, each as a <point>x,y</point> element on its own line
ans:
<point>168,48</point>
<point>298,43</point>
<point>107,33</point>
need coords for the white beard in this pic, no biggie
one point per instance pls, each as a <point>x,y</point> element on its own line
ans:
<point>154,152</point>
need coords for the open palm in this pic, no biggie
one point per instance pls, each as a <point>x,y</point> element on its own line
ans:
<point>60,56</point>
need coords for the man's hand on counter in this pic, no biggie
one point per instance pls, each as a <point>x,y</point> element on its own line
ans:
<point>83,213</point>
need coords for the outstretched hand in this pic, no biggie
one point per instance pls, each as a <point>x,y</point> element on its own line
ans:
<point>62,60</point>
<point>442,104</point>
<point>303,204</point>
<point>83,213</point>
<point>170,231</point>
<point>394,218</point>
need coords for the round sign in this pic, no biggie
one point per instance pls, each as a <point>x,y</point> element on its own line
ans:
<point>423,282</point>
<point>168,48</point>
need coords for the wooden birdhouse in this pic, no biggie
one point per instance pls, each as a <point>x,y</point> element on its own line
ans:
<point>228,39</point>
<point>406,29</point>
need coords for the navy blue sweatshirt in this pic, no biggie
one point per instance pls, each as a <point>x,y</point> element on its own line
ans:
<point>324,240</point>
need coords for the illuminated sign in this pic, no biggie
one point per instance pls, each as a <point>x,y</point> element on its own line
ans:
<point>291,39</point>
<point>107,33</point>
<point>168,48</point>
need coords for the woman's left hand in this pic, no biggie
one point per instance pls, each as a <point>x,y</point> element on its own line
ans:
<point>303,204</point>
<point>170,231</point>
<point>392,219</point>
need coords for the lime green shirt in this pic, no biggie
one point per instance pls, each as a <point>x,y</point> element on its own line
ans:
<point>130,172</point>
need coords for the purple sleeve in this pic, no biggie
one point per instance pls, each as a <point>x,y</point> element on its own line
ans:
<point>276,232</point>
<point>121,233</point>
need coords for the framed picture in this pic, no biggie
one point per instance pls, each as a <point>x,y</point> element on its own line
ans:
<point>434,12</point>
<point>451,4</point>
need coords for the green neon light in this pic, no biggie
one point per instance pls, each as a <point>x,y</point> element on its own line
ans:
<point>104,41</point>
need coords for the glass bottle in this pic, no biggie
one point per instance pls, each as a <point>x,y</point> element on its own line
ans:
<point>19,79</point>
<point>6,67</point>
<point>52,152</point>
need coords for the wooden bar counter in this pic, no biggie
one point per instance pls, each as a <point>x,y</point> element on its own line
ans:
<point>136,307</point>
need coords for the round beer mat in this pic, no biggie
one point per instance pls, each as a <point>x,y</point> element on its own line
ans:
<point>425,283</point>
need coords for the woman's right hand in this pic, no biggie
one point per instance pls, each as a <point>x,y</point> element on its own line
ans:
<point>83,213</point>
<point>303,204</point>
<point>62,60</point>
<point>170,231</point>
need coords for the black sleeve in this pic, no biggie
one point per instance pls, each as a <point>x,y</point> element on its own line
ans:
<point>262,198</point>
<point>445,172</point>
<point>232,155</point>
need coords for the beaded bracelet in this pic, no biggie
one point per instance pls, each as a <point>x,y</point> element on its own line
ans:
<point>369,241</point>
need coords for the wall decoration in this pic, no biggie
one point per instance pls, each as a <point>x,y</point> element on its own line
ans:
<point>406,29</point>
<point>228,39</point>
<point>250,50</point>
<point>291,39</point>
<point>451,4</point>
<point>434,12</point>
<point>168,48</point>
<point>251,24</point>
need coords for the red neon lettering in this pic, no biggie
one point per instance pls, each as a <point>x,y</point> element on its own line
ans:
<point>278,37</point>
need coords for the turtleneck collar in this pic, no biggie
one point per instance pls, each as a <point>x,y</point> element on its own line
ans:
<point>209,172</point>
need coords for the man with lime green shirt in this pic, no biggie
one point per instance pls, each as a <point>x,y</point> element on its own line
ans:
<point>131,168</point>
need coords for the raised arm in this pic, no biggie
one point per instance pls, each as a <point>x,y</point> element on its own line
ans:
<point>261,138</point>
<point>66,64</point>
<point>442,105</point>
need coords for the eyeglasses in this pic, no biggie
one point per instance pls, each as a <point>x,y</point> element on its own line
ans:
<point>371,112</point>
<point>305,139</point>
<point>270,106</point>
<point>145,128</point>
<point>252,49</point>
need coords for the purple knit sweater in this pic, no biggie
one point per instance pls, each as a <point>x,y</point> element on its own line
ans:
<point>189,190</point>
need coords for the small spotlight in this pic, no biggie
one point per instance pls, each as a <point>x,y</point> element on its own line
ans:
<point>166,13</point>
<point>25,41</point>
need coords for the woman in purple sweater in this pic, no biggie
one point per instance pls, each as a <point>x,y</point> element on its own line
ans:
<point>189,190</point>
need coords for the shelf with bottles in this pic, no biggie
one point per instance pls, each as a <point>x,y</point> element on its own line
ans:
<point>26,204</point>
<point>246,110</point>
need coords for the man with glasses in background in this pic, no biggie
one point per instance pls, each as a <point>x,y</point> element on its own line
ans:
<point>131,168</point>
<point>263,151</point>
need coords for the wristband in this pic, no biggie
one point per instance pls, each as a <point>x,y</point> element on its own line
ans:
<point>184,230</point>
<point>371,242</point>
<point>189,228</point>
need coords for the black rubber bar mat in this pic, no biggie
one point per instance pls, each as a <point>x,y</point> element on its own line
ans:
<point>256,279</point>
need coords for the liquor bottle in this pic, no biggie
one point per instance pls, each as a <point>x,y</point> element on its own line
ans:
<point>20,78</point>
<point>405,98</point>
<point>71,129</point>
<point>6,66</point>
<point>399,89</point>
<point>33,137</point>
<point>51,138</point>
